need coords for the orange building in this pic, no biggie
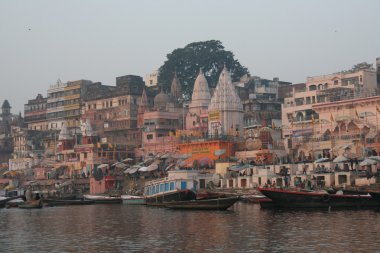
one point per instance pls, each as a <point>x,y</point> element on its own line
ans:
<point>205,151</point>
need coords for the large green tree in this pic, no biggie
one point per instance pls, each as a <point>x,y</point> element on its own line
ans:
<point>208,55</point>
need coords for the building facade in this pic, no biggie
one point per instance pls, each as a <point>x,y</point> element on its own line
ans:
<point>35,114</point>
<point>64,103</point>
<point>298,115</point>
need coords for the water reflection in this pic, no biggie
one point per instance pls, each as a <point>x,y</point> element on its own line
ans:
<point>247,228</point>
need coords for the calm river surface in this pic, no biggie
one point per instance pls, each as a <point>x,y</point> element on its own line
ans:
<point>245,228</point>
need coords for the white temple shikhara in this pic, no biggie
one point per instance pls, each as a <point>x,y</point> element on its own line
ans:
<point>201,97</point>
<point>225,109</point>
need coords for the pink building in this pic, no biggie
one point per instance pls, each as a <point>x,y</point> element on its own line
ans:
<point>299,117</point>
<point>162,121</point>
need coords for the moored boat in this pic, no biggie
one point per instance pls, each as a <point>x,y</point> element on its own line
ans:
<point>66,202</point>
<point>305,199</point>
<point>103,199</point>
<point>4,201</point>
<point>32,204</point>
<point>133,200</point>
<point>254,198</point>
<point>178,186</point>
<point>375,195</point>
<point>203,204</point>
<point>170,196</point>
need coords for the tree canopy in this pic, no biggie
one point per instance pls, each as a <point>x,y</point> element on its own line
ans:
<point>186,62</point>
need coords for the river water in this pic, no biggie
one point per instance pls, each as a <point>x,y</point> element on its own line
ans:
<point>245,228</point>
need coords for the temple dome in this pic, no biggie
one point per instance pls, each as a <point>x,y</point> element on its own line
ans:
<point>161,100</point>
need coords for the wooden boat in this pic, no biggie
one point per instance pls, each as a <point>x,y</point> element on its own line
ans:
<point>66,202</point>
<point>133,200</point>
<point>176,195</point>
<point>375,195</point>
<point>311,199</point>
<point>169,189</point>
<point>203,204</point>
<point>103,199</point>
<point>4,201</point>
<point>32,204</point>
<point>210,195</point>
<point>254,198</point>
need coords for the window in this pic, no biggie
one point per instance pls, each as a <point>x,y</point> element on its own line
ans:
<point>149,136</point>
<point>161,187</point>
<point>171,186</point>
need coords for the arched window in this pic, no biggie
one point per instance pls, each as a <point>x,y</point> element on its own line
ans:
<point>299,116</point>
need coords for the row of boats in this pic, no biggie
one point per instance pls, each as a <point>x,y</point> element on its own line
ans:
<point>178,199</point>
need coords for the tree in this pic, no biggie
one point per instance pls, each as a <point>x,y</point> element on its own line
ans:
<point>186,62</point>
<point>362,66</point>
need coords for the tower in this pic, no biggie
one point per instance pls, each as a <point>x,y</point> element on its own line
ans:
<point>143,106</point>
<point>225,109</point>
<point>201,94</point>
<point>175,89</point>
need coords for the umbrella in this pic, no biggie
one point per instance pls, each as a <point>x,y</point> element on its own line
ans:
<point>165,156</point>
<point>152,167</point>
<point>348,146</point>
<point>340,159</point>
<point>182,156</point>
<point>321,160</point>
<point>133,170</point>
<point>128,170</point>
<point>103,166</point>
<point>376,158</point>
<point>233,158</point>
<point>127,160</point>
<point>170,166</point>
<point>219,152</point>
<point>143,169</point>
<point>366,162</point>
<point>121,166</point>
<point>239,167</point>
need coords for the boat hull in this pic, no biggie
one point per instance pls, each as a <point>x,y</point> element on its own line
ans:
<point>133,200</point>
<point>67,202</point>
<point>203,204</point>
<point>375,195</point>
<point>103,199</point>
<point>4,202</point>
<point>180,195</point>
<point>294,199</point>
<point>35,204</point>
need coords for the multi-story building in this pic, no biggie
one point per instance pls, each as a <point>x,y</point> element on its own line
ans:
<point>151,79</point>
<point>261,100</point>
<point>35,114</point>
<point>6,145</point>
<point>112,110</point>
<point>64,103</point>
<point>298,114</point>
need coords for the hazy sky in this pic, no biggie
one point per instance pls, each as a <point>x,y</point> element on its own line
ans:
<point>41,41</point>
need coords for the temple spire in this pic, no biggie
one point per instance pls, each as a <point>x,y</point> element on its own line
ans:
<point>176,90</point>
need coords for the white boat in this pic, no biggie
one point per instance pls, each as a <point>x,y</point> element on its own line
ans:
<point>133,200</point>
<point>103,199</point>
